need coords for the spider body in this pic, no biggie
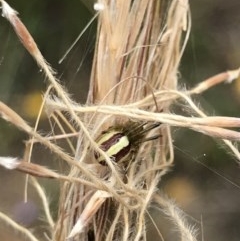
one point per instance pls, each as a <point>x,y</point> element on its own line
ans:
<point>120,143</point>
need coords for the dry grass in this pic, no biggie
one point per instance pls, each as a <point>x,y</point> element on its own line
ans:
<point>134,76</point>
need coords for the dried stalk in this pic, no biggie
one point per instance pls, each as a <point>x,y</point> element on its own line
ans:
<point>134,76</point>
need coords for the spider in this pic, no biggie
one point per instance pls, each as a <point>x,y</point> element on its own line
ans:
<point>122,142</point>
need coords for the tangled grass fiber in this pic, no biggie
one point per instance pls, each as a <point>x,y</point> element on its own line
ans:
<point>134,77</point>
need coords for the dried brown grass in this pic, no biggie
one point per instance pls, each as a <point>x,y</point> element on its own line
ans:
<point>134,76</point>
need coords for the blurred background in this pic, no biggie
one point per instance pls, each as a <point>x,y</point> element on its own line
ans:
<point>204,181</point>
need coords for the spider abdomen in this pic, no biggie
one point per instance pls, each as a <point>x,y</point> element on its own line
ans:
<point>116,145</point>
